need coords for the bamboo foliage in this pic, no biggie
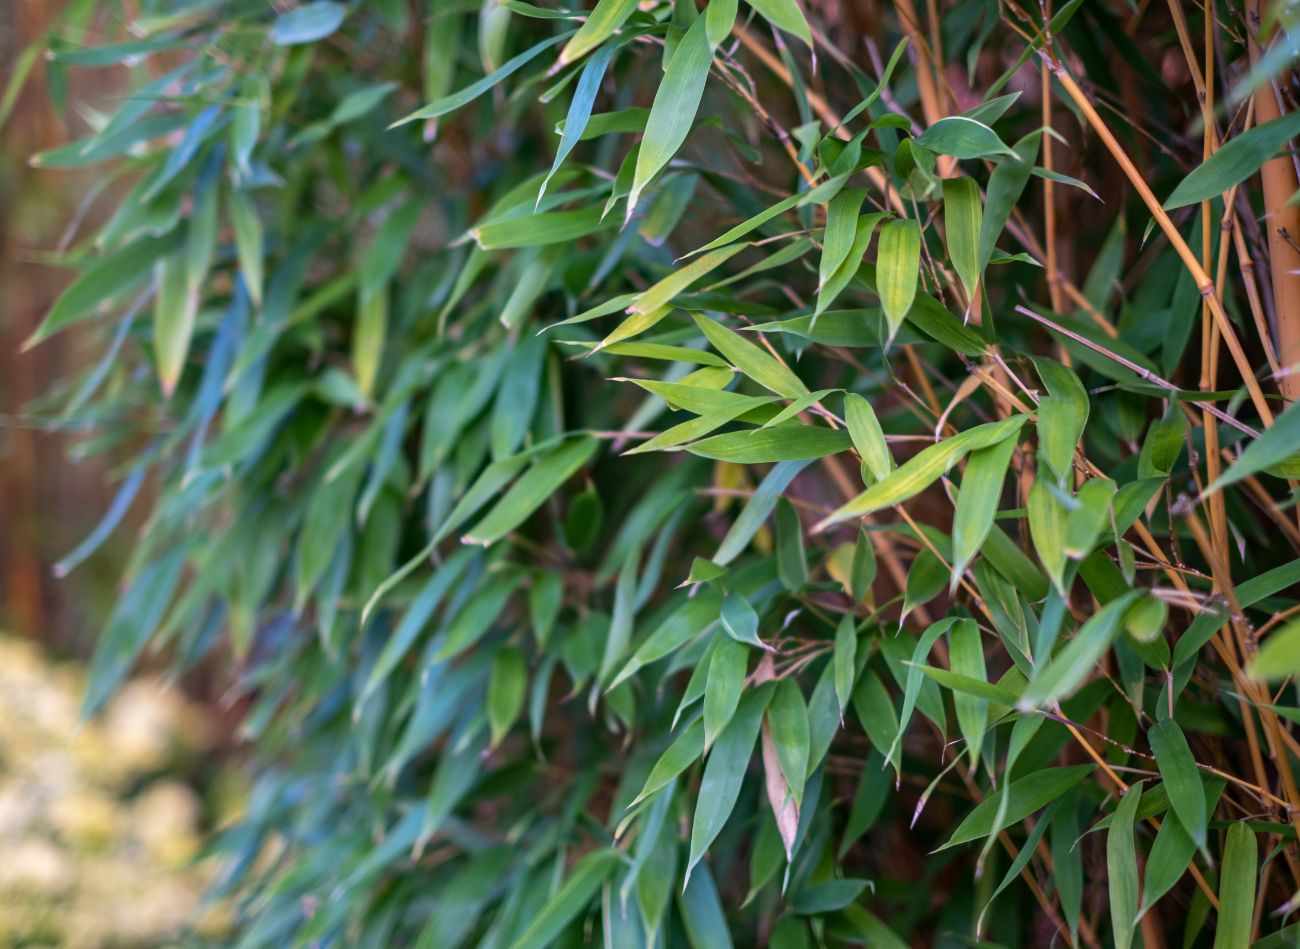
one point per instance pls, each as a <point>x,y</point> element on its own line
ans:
<point>714,473</point>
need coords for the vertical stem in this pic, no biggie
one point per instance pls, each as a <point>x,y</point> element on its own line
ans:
<point>1279,180</point>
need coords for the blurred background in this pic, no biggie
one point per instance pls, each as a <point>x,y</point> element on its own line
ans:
<point>100,823</point>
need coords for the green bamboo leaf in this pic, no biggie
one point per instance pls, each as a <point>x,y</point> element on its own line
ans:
<point>1279,657</point>
<point>740,621</point>
<point>720,17</point>
<point>898,267</point>
<point>576,894</point>
<point>1173,849</point>
<point>1182,779</point>
<point>789,442</point>
<point>474,90</point>
<point>1047,520</point>
<point>867,435</point>
<point>837,238</point>
<point>1274,445</point>
<point>673,111</point>
<point>791,561</point>
<point>176,305</point>
<point>701,911</point>
<point>103,282</point>
<point>603,21</point>
<point>666,289</point>
<point>1025,795</point>
<point>1237,880</point>
<point>845,659</point>
<point>1235,161</point>
<point>247,227</point>
<point>307,23</point>
<point>784,15</point>
<point>1122,870</point>
<point>997,693</point>
<point>1059,429</point>
<point>368,339</point>
<point>963,216</point>
<point>531,490</point>
<point>700,426</point>
<point>722,687</point>
<point>756,510</point>
<point>680,755</point>
<point>725,772</point>
<point>967,658</point>
<point>788,717</point>
<point>1068,668</point>
<point>923,469</point>
<point>963,137</point>
<point>505,692</point>
<point>1005,186</point>
<point>538,230</point>
<point>752,360</point>
<point>977,504</point>
<point>834,283</point>
<point>818,195</point>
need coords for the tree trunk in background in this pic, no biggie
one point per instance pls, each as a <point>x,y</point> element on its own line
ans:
<point>46,503</point>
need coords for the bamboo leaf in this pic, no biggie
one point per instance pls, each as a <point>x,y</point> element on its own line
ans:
<point>867,435</point>
<point>1121,868</point>
<point>923,469</point>
<point>1234,161</point>
<point>1274,445</point>
<point>1181,777</point>
<point>963,215</point>
<point>725,772</point>
<point>578,891</point>
<point>722,687</point>
<point>505,692</point>
<point>898,266</point>
<point>531,490</point>
<point>977,505</point>
<point>784,15</point>
<point>1025,796</point>
<point>1237,880</point>
<point>755,362</point>
<point>602,23</point>
<point>1069,667</point>
<point>789,442</point>
<point>673,111</point>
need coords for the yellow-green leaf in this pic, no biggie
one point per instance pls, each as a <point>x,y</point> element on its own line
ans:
<point>898,267</point>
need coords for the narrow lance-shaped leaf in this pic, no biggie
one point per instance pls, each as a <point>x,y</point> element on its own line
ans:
<point>977,504</point>
<point>1181,777</point>
<point>175,309</point>
<point>898,267</point>
<point>674,107</point>
<point>576,894</point>
<point>1075,662</point>
<point>722,687</point>
<point>725,772</point>
<point>963,216</point>
<point>868,437</point>
<point>532,489</point>
<point>923,469</point>
<point>1234,161</point>
<point>603,21</point>
<point>1122,870</point>
<point>785,15</point>
<point>1237,881</point>
<point>752,360</point>
<point>584,96</point>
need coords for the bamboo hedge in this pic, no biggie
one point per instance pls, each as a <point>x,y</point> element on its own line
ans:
<point>710,474</point>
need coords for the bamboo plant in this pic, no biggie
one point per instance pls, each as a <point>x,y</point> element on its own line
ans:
<point>672,473</point>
